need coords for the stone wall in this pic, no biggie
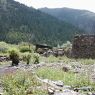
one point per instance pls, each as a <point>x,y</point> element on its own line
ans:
<point>84,46</point>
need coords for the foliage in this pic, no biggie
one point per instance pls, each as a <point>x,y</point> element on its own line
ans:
<point>86,61</point>
<point>53,59</point>
<point>66,60</point>
<point>67,45</point>
<point>36,58</point>
<point>68,78</point>
<point>14,56</point>
<point>4,47</point>
<point>27,57</point>
<point>18,83</point>
<point>78,18</point>
<point>26,47</point>
<point>21,23</point>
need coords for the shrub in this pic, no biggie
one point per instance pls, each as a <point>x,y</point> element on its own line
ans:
<point>14,56</point>
<point>25,49</point>
<point>36,58</point>
<point>66,45</point>
<point>4,47</point>
<point>27,57</point>
<point>67,48</point>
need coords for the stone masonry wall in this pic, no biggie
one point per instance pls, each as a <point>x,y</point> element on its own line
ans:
<point>84,46</point>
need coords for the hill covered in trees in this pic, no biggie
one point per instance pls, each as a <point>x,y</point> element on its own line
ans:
<point>82,19</point>
<point>21,23</point>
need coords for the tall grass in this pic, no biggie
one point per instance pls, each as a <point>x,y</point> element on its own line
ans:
<point>69,78</point>
<point>19,82</point>
<point>66,60</point>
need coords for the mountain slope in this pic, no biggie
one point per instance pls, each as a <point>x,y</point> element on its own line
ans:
<point>80,18</point>
<point>21,23</point>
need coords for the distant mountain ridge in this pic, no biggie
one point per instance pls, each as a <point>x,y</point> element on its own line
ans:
<point>82,19</point>
<point>21,23</point>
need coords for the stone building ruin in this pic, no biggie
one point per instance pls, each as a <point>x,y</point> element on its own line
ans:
<point>83,46</point>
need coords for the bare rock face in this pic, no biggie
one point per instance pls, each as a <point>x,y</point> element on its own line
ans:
<point>84,46</point>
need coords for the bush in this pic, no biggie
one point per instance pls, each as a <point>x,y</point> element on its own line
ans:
<point>3,50</point>
<point>67,45</point>
<point>67,48</point>
<point>25,49</point>
<point>27,57</point>
<point>4,47</point>
<point>36,58</point>
<point>14,56</point>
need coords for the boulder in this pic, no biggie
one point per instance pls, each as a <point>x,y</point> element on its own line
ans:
<point>88,88</point>
<point>66,68</point>
<point>59,83</point>
<point>51,91</point>
<point>67,92</point>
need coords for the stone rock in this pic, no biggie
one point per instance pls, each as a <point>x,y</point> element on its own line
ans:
<point>51,91</point>
<point>66,92</point>
<point>86,88</point>
<point>89,93</point>
<point>67,87</point>
<point>76,89</point>
<point>83,89</point>
<point>66,68</point>
<point>1,93</point>
<point>1,90</point>
<point>59,83</point>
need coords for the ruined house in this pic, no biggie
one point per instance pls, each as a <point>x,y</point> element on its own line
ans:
<point>46,50</point>
<point>58,52</point>
<point>41,49</point>
<point>84,46</point>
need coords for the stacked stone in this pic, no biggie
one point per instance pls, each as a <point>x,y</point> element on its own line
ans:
<point>84,46</point>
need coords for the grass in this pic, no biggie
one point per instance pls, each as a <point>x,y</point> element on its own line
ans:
<point>87,61</point>
<point>19,82</point>
<point>50,59</point>
<point>53,59</point>
<point>4,63</point>
<point>66,60</point>
<point>69,78</point>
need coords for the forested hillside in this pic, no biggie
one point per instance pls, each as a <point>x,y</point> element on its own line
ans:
<point>82,19</point>
<point>21,23</point>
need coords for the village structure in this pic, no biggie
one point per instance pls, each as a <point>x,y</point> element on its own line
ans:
<point>83,46</point>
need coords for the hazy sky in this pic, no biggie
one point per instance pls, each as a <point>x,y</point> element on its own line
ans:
<point>77,4</point>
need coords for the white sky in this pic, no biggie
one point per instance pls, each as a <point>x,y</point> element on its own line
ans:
<point>77,4</point>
